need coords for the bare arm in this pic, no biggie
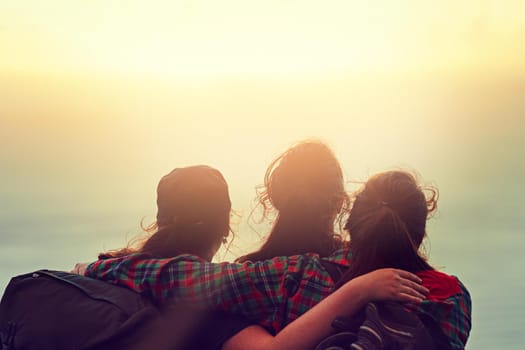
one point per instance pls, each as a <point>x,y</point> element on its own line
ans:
<point>310,328</point>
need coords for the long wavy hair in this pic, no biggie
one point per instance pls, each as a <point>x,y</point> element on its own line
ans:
<point>193,216</point>
<point>387,224</point>
<point>305,187</point>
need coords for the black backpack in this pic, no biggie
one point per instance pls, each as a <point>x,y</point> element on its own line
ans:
<point>58,310</point>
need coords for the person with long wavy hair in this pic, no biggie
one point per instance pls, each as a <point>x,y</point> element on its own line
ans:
<point>304,188</point>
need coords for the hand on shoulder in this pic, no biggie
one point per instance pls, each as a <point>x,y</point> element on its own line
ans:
<point>394,285</point>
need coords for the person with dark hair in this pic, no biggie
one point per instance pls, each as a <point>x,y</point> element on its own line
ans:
<point>387,226</point>
<point>304,186</point>
<point>193,216</point>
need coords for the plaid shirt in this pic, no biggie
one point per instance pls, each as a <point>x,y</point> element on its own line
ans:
<point>273,292</point>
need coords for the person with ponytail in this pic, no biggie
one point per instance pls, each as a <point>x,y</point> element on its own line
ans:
<point>304,188</point>
<point>387,226</point>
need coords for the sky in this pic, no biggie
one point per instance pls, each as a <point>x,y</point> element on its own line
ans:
<point>211,38</point>
<point>226,71</point>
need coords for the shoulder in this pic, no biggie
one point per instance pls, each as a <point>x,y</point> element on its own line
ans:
<point>139,263</point>
<point>316,264</point>
<point>440,284</point>
<point>449,305</point>
<point>306,267</point>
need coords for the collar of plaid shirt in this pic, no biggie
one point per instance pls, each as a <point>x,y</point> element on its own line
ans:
<point>273,292</point>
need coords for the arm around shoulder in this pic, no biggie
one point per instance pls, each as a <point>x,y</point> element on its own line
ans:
<point>313,326</point>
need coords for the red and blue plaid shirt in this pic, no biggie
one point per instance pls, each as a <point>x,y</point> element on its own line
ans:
<point>273,292</point>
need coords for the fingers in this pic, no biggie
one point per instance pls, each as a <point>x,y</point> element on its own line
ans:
<point>412,291</point>
<point>412,281</point>
<point>409,276</point>
<point>410,299</point>
<point>397,285</point>
<point>405,290</point>
<point>416,286</point>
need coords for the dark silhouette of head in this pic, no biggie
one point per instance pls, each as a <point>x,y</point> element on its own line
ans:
<point>387,223</point>
<point>193,215</point>
<point>305,187</point>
